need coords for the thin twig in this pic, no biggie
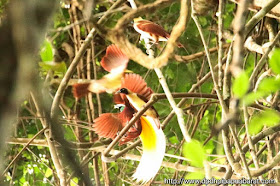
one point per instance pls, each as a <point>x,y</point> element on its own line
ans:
<point>53,149</point>
<point>258,16</point>
<point>24,147</point>
<point>178,111</point>
<point>267,167</point>
<point>242,154</point>
<point>239,38</point>
<point>251,146</point>
<point>263,59</point>
<point>220,42</point>
<point>223,105</point>
<point>189,58</point>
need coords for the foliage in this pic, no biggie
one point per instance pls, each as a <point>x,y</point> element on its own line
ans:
<point>202,116</point>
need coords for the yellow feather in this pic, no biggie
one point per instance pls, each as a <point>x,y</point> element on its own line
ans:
<point>154,143</point>
<point>148,135</point>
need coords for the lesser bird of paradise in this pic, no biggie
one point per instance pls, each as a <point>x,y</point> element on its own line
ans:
<point>114,62</point>
<point>151,31</point>
<point>134,93</point>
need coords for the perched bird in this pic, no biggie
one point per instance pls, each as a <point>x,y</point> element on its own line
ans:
<point>133,94</point>
<point>137,101</point>
<point>151,31</point>
<point>114,62</point>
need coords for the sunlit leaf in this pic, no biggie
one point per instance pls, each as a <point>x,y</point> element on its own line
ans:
<point>252,97</point>
<point>269,85</point>
<point>266,87</point>
<point>274,61</point>
<point>270,117</point>
<point>266,118</point>
<point>75,180</point>
<point>194,151</point>
<point>255,126</point>
<point>241,85</point>
<point>48,172</point>
<point>46,52</point>
<point>50,65</point>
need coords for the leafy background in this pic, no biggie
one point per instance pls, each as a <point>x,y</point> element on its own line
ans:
<point>34,165</point>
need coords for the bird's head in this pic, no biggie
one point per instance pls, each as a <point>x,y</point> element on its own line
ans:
<point>137,19</point>
<point>123,91</point>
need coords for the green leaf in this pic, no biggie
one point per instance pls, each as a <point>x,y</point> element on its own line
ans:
<point>255,126</point>
<point>75,180</point>
<point>48,172</point>
<point>174,140</point>
<point>266,118</point>
<point>46,52</point>
<point>274,61</point>
<point>194,151</point>
<point>269,85</point>
<point>252,97</point>
<point>271,117</point>
<point>51,65</point>
<point>241,85</point>
<point>266,87</point>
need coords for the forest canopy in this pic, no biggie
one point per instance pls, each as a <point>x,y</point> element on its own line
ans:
<point>189,88</point>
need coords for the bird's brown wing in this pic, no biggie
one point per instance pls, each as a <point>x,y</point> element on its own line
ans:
<point>134,131</point>
<point>135,83</point>
<point>108,125</point>
<point>114,58</point>
<point>153,28</point>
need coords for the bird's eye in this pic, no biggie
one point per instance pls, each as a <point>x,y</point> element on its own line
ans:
<point>124,90</point>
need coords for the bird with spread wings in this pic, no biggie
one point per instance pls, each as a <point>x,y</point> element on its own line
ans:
<point>132,92</point>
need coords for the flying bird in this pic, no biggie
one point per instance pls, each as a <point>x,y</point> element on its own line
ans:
<point>114,62</point>
<point>133,94</point>
<point>151,31</point>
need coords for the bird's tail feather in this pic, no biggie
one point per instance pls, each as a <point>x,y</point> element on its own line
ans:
<point>80,89</point>
<point>154,143</point>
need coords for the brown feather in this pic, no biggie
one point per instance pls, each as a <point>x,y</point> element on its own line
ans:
<point>80,89</point>
<point>126,115</point>
<point>134,131</point>
<point>155,29</point>
<point>118,99</point>
<point>137,84</point>
<point>152,28</point>
<point>107,125</point>
<point>114,58</point>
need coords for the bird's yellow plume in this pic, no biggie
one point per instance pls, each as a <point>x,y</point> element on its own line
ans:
<point>154,143</point>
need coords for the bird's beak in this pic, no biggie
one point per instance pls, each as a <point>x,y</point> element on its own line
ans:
<point>128,71</point>
<point>119,91</point>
